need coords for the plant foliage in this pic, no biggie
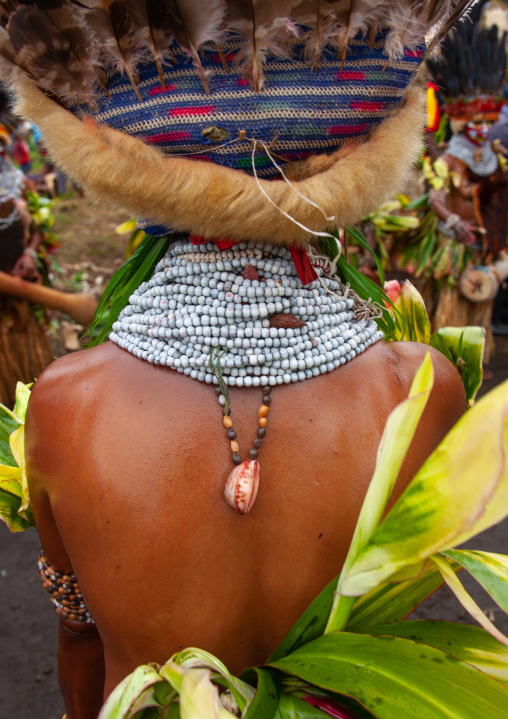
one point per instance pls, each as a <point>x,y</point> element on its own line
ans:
<point>350,655</point>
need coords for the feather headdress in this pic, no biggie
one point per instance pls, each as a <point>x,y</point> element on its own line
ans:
<point>63,44</point>
<point>470,69</point>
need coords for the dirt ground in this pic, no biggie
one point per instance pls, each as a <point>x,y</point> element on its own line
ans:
<point>91,251</point>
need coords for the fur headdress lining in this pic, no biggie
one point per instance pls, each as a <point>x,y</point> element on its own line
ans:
<point>212,201</point>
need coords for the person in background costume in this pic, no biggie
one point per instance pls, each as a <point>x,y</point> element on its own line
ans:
<point>472,206</point>
<point>24,346</point>
<point>197,479</point>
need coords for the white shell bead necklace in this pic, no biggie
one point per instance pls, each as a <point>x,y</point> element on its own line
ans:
<point>241,318</point>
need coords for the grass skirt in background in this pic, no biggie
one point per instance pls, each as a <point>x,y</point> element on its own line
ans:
<point>447,307</point>
<point>25,349</point>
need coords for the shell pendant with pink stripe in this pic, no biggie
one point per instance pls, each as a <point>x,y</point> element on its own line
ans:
<point>242,486</point>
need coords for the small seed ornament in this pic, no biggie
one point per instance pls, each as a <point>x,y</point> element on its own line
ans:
<point>242,318</point>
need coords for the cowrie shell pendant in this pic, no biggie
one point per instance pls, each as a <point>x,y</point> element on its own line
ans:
<point>242,486</point>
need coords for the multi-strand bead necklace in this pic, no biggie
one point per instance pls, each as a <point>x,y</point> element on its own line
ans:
<point>241,318</point>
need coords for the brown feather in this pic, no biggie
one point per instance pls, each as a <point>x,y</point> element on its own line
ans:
<point>154,30</point>
<point>57,58</point>
<point>113,27</point>
<point>198,23</point>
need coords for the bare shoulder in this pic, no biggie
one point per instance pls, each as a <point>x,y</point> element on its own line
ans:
<point>69,383</point>
<point>392,367</point>
<point>447,379</point>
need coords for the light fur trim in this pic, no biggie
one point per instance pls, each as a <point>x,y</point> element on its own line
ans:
<point>214,201</point>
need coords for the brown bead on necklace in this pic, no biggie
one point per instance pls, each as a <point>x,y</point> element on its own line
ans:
<point>243,482</point>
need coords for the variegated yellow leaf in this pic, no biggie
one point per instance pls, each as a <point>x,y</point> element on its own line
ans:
<point>467,600</point>
<point>445,504</point>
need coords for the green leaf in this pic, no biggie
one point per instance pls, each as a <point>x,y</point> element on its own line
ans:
<point>397,437</point>
<point>490,570</point>
<point>397,678</point>
<point>310,625</point>
<point>8,424</point>
<point>291,707</point>
<point>367,290</point>
<point>22,397</point>
<point>359,283</point>
<point>470,644</point>
<point>464,346</point>
<point>193,658</point>
<point>393,602</point>
<point>266,699</point>
<point>412,308</point>
<point>128,693</point>
<point>467,600</point>
<point>359,237</point>
<point>9,506</point>
<point>138,268</point>
<point>421,523</point>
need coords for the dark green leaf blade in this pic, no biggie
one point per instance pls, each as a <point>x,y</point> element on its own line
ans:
<point>265,702</point>
<point>360,238</point>
<point>310,625</point>
<point>138,268</point>
<point>470,644</point>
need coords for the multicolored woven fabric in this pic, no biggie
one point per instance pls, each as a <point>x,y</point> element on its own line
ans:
<point>299,112</point>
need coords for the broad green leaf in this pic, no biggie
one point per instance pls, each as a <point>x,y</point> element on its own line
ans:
<point>490,570</point>
<point>393,602</point>
<point>22,397</point>
<point>266,699</point>
<point>397,678</point>
<point>310,625</point>
<point>199,698</point>
<point>421,523</point>
<point>125,696</point>
<point>465,346</point>
<point>397,437</point>
<point>8,424</point>
<point>470,644</point>
<point>467,600</point>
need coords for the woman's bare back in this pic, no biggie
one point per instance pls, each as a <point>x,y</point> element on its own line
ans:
<point>127,464</point>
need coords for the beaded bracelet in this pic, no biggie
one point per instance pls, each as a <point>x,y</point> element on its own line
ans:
<point>64,591</point>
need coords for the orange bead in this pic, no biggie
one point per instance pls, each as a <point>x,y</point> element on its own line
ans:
<point>263,410</point>
<point>263,421</point>
<point>235,447</point>
<point>227,422</point>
